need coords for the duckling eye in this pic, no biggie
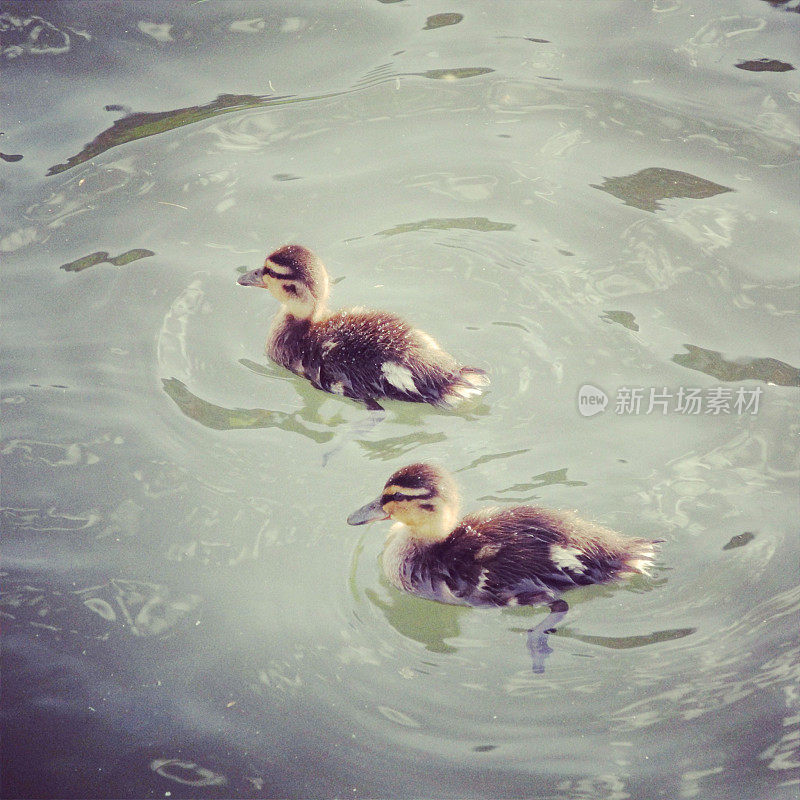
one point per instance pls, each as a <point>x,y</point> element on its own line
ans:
<point>397,497</point>
<point>426,506</point>
<point>290,288</point>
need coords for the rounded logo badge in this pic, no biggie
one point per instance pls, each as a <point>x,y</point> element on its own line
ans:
<point>591,400</point>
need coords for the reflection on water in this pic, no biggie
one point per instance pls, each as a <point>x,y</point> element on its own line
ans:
<point>142,124</point>
<point>699,488</point>
<point>624,318</point>
<point>393,448</point>
<point>34,35</point>
<point>455,74</point>
<point>490,457</point>
<point>442,20</point>
<point>786,5</point>
<point>102,257</point>
<point>459,187</point>
<point>219,418</point>
<point>627,642</point>
<point>464,223</point>
<point>765,65</point>
<point>728,673</point>
<point>136,608</point>
<point>46,520</point>
<point>555,477</point>
<point>405,614</point>
<point>645,188</point>
<point>740,540</point>
<point>303,420</point>
<point>51,453</point>
<point>183,607</point>
<point>187,773</point>
<point>769,370</point>
<point>209,543</point>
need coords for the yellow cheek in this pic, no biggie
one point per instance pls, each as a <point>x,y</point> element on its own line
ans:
<point>390,508</point>
<point>407,513</point>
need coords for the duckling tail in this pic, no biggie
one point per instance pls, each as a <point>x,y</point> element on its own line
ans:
<point>469,383</point>
<point>641,556</point>
<point>477,377</point>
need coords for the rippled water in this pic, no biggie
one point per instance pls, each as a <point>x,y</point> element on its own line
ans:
<point>571,195</point>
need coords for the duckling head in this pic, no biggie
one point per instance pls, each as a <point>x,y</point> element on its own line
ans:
<point>296,277</point>
<point>423,497</point>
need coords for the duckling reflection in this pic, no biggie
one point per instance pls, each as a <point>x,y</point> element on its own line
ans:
<point>361,354</point>
<point>222,419</point>
<point>403,612</point>
<point>522,555</point>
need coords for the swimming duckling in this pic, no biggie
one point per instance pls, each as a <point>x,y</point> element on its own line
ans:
<point>361,354</point>
<point>495,557</point>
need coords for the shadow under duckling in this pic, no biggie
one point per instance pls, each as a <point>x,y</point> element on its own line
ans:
<point>357,353</point>
<point>522,555</point>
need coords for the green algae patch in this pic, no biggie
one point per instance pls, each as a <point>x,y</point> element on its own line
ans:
<point>102,257</point>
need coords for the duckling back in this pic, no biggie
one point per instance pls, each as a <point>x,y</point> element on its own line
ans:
<point>370,354</point>
<point>517,556</point>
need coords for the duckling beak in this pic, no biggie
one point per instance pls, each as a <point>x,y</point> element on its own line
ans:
<point>252,278</point>
<point>368,513</point>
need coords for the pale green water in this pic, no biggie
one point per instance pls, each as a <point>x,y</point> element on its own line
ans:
<point>185,609</point>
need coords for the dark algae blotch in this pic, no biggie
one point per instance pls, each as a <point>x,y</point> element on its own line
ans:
<point>645,188</point>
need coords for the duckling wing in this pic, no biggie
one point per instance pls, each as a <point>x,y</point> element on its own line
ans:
<point>525,572</point>
<point>449,572</point>
<point>365,354</point>
<point>517,556</point>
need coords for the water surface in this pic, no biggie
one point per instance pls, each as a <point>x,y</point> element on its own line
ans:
<point>566,195</point>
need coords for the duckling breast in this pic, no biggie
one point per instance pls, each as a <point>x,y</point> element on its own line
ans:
<point>288,341</point>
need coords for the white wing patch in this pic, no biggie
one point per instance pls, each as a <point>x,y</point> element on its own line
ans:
<point>487,551</point>
<point>566,558</point>
<point>399,376</point>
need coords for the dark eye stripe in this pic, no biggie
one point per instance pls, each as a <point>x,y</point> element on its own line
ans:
<point>281,276</point>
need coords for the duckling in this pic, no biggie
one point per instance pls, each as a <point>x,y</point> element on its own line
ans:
<point>495,557</point>
<point>361,354</point>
